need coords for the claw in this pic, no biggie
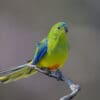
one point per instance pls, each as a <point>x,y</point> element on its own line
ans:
<point>48,72</point>
<point>59,75</point>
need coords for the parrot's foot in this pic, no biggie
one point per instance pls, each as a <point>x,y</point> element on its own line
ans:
<point>59,75</point>
<point>48,72</point>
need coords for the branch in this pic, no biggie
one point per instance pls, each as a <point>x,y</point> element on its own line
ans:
<point>75,88</point>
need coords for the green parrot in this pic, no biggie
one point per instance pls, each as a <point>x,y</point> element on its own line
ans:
<point>51,53</point>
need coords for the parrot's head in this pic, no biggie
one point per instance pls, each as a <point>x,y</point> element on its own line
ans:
<point>59,29</point>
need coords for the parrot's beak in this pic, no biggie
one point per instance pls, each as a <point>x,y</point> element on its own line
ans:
<point>65,26</point>
<point>66,29</point>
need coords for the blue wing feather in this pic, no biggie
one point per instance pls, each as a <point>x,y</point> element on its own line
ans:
<point>41,50</point>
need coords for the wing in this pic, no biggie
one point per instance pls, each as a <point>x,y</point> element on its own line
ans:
<point>40,51</point>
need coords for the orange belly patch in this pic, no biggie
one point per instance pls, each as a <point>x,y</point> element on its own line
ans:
<point>54,67</point>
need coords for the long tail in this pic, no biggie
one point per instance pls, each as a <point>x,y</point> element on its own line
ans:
<point>17,73</point>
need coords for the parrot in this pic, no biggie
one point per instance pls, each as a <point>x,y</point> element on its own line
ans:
<point>50,54</point>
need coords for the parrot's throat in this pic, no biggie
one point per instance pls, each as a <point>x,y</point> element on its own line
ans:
<point>57,40</point>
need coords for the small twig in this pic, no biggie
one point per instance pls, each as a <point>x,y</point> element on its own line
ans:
<point>75,88</point>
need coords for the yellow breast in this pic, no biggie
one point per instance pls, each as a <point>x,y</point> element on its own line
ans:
<point>56,55</point>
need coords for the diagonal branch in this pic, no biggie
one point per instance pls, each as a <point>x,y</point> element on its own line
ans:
<point>75,88</point>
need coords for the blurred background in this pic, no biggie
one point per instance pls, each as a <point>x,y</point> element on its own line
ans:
<point>25,22</point>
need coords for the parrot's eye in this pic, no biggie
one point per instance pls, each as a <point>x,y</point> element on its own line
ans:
<point>58,28</point>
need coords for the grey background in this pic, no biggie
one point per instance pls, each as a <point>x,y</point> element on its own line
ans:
<point>25,22</point>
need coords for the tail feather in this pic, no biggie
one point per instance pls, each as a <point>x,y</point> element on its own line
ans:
<point>17,73</point>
